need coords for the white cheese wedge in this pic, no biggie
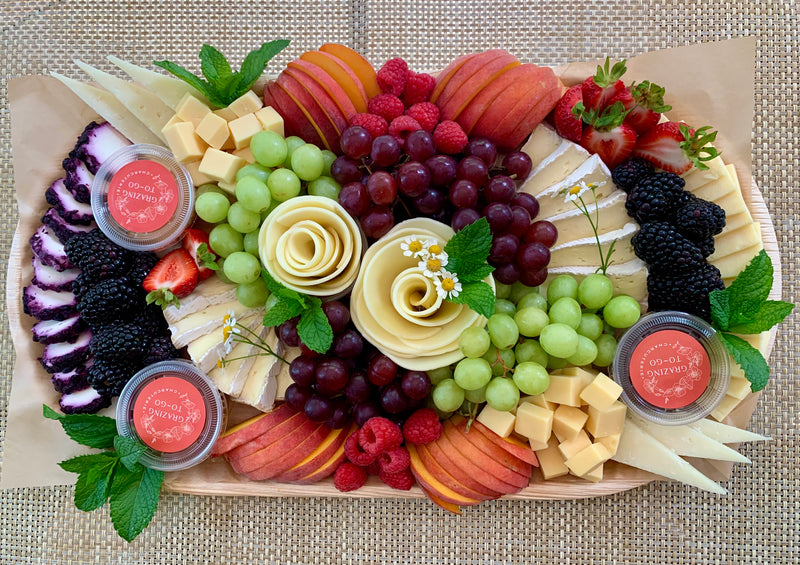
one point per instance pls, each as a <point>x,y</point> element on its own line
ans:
<point>143,104</point>
<point>690,442</point>
<point>261,386</point>
<point>208,320</point>
<point>206,350</point>
<point>584,252</point>
<point>231,378</point>
<point>283,378</point>
<point>629,278</point>
<point>592,171</point>
<point>731,265</point>
<point>112,110</point>
<point>724,433</point>
<point>716,190</point>
<point>209,292</point>
<point>541,143</point>
<point>555,167</point>
<point>169,89</point>
<point>572,224</point>
<point>639,449</point>
<point>737,240</point>
<point>695,178</point>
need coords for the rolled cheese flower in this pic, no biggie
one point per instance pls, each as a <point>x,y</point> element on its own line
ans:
<point>312,245</point>
<point>396,306</point>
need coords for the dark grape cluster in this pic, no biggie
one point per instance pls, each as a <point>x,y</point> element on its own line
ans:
<point>352,381</point>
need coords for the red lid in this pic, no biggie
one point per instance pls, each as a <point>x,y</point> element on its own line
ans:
<point>169,414</point>
<point>142,196</point>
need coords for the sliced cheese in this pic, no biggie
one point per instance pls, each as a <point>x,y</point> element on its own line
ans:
<point>732,203</point>
<point>593,171</point>
<point>612,214</point>
<point>629,278</point>
<point>231,377</point>
<point>584,252</point>
<point>695,178</point>
<point>209,320</point>
<point>284,379</point>
<point>541,143</point>
<point>169,89</point>
<point>731,265</point>
<point>209,292</point>
<point>736,240</point>
<point>206,350</point>
<point>691,442</point>
<point>736,221</point>
<point>555,167</point>
<point>724,433</point>
<point>261,386</point>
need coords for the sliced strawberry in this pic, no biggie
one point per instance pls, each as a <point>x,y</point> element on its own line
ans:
<point>173,277</point>
<point>648,105</point>
<point>196,243</point>
<point>676,148</point>
<point>606,134</point>
<point>599,89</point>
<point>567,124</point>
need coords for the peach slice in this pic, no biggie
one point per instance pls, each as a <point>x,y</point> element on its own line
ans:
<point>449,506</point>
<point>326,470</point>
<point>459,472</point>
<point>317,458</point>
<point>319,117</point>
<point>442,473</point>
<point>444,77</point>
<point>296,121</point>
<point>277,462</point>
<point>538,112</point>
<point>249,429</point>
<point>333,88</point>
<point>475,72</point>
<point>360,66</point>
<point>494,451</point>
<point>341,73</point>
<point>515,447</point>
<point>245,462</point>
<point>455,104</point>
<point>430,483</point>
<point>270,436</point>
<point>324,101</point>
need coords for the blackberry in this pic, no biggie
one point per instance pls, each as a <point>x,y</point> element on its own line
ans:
<point>665,250</point>
<point>121,342</point>
<point>706,246</point>
<point>687,292</point>
<point>142,264</point>
<point>152,320</point>
<point>657,198</point>
<point>80,286</point>
<point>110,300</point>
<point>97,256</point>
<point>110,377</point>
<point>700,219</point>
<point>161,349</point>
<point>628,173</point>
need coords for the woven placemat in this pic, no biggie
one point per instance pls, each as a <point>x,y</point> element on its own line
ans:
<point>658,523</point>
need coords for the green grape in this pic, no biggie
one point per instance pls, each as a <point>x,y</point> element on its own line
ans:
<point>447,395</point>
<point>292,143</point>
<point>225,240</point>
<point>241,219</point>
<point>269,148</point>
<point>242,268</point>
<point>567,311</point>
<point>251,242</point>
<point>477,396</point>
<point>622,311</point>
<point>500,360</point>
<point>283,184</point>
<point>531,321</point>
<point>438,375</point>
<point>533,300</point>
<point>208,187</point>
<point>503,306</point>
<point>502,394</point>
<point>560,286</point>
<point>502,290</point>
<point>474,342</point>
<point>531,378</point>
<point>595,290</point>
<point>554,363</point>
<point>221,271</point>
<point>212,207</point>
<point>559,340</point>
<point>324,186</point>
<point>518,290</point>
<point>274,204</point>
<point>253,170</point>
<point>503,331</point>
<point>253,194</point>
<point>585,353</point>
<point>531,350</point>
<point>471,374</point>
<point>253,294</point>
<point>591,326</point>
<point>307,162</point>
<point>606,349</point>
<point>328,157</point>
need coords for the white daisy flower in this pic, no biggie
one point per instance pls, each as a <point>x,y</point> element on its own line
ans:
<point>432,267</point>
<point>229,330</point>
<point>447,286</point>
<point>413,247</point>
<point>574,193</point>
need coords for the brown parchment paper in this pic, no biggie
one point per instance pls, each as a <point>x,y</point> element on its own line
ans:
<point>706,84</point>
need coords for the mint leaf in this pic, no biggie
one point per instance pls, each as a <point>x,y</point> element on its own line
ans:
<point>92,487</point>
<point>214,65</point>
<point>282,311</point>
<point>82,463</point>
<point>315,330</point>
<point>476,274</point>
<point>90,430</point>
<point>281,291</point>
<point>129,450</point>
<point>134,498</point>
<point>749,359</point>
<point>771,313</point>
<point>750,289</point>
<point>256,61</point>
<point>720,309</point>
<point>186,77</point>
<point>469,247</point>
<point>478,296</point>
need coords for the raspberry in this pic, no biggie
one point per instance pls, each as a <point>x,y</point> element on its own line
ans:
<point>426,114</point>
<point>374,468</point>
<point>378,435</point>
<point>449,138</point>
<point>387,106</point>
<point>392,76</point>
<point>403,480</point>
<point>394,460</point>
<point>375,125</point>
<point>349,477</point>
<point>418,88</point>
<point>401,127</point>
<point>423,426</point>
<point>354,453</point>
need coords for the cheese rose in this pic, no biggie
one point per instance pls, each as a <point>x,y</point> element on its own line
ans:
<point>397,308</point>
<point>312,245</point>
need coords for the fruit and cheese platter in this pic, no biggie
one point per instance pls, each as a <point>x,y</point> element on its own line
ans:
<point>498,279</point>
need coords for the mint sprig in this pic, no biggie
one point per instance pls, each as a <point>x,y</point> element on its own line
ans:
<point>222,85</point>
<point>743,308</point>
<point>113,475</point>
<point>467,252</point>
<point>313,327</point>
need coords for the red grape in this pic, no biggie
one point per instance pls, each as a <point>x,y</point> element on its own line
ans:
<point>482,148</point>
<point>338,315</point>
<point>429,202</point>
<point>413,179</point>
<point>392,399</point>
<point>504,249</point>
<point>318,408</point>
<point>520,221</point>
<point>287,333</point>
<point>543,232</point>
<point>363,411</point>
<point>528,202</point>
<point>533,278</point>
<point>500,189</point>
<point>517,165</point>
<point>464,217</point>
<point>463,194</point>
<point>442,170</point>
<point>376,221</point>
<point>302,370</point>
<point>348,344</point>
<point>507,274</point>
<point>358,387</point>
<point>354,198</point>
<point>416,384</point>
<point>331,376</point>
<point>340,415</point>
<point>499,216</point>
<point>420,145</point>
<point>344,170</point>
<point>533,256</point>
<point>381,370</point>
<point>296,396</point>
<point>382,188</point>
<point>355,142</point>
<point>473,169</point>
<point>385,151</point>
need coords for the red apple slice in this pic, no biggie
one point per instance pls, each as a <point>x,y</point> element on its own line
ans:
<point>296,121</point>
<point>438,470</point>
<point>513,446</point>
<point>444,77</point>
<point>474,74</point>
<point>451,109</point>
<point>317,458</point>
<point>458,471</point>
<point>326,470</point>
<point>270,436</point>
<point>333,88</point>
<point>249,429</point>
<point>496,452</point>
<point>246,462</point>
<point>278,462</point>
<point>449,506</point>
<point>319,117</point>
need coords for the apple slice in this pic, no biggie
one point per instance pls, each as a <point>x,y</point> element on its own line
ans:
<point>475,73</point>
<point>538,113</point>
<point>270,436</point>
<point>459,472</point>
<point>360,66</point>
<point>317,458</point>
<point>249,429</point>
<point>295,119</point>
<point>326,470</point>
<point>324,101</point>
<point>455,104</point>
<point>449,506</point>
<point>512,445</point>
<point>279,461</point>
<point>444,77</point>
<point>494,451</point>
<point>316,113</point>
<point>438,470</point>
<point>430,483</point>
<point>246,461</point>
<point>342,74</point>
<point>333,88</point>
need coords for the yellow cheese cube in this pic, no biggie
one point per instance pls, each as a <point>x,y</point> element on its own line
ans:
<point>501,423</point>
<point>173,120</point>
<point>601,393</point>
<point>198,178</point>
<point>603,423</point>
<point>534,422</point>
<point>213,130</point>
<point>539,400</point>
<point>270,120</point>
<point>725,407</point>
<point>183,142</point>
<point>739,387</point>
<point>226,114</point>
<point>247,103</point>
<point>536,445</point>
<point>243,129</point>
<point>611,442</point>
<point>576,445</point>
<point>220,166</point>
<point>551,463</point>
<point>229,187</point>
<point>191,109</point>
<point>595,475</point>
<point>245,154</point>
<point>564,389</point>
<point>568,421</point>
<point>587,459</point>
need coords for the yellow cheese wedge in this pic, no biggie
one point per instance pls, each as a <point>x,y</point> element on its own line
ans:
<point>169,89</point>
<point>695,178</point>
<point>737,240</point>
<point>724,433</point>
<point>731,265</point>
<point>551,462</point>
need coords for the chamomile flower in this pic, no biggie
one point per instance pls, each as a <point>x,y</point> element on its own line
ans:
<point>432,267</point>
<point>413,247</point>
<point>575,192</point>
<point>447,286</point>
<point>229,330</point>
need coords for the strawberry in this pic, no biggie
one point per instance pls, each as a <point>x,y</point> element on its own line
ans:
<point>599,89</point>
<point>675,148</point>
<point>568,125</point>
<point>173,277</point>
<point>605,133</point>
<point>648,105</point>
<point>196,243</point>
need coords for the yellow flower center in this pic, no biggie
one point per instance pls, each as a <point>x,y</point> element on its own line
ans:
<point>448,284</point>
<point>575,189</point>
<point>434,265</point>
<point>435,249</point>
<point>219,363</point>
<point>226,331</point>
<point>415,246</point>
